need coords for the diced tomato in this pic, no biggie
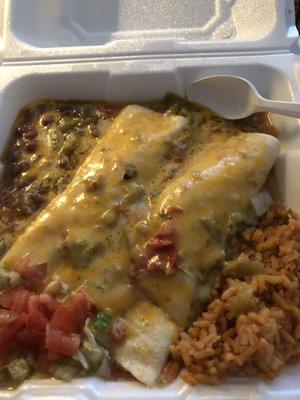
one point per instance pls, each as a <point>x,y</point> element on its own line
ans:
<point>79,308</point>
<point>32,273</point>
<point>34,304</point>
<point>49,303</point>
<point>35,274</point>
<point>70,317</point>
<point>41,323</point>
<point>15,297</point>
<point>20,303</point>
<point>52,306</point>
<point>160,253</point>
<point>10,324</point>
<point>24,339</point>
<point>7,297</point>
<point>63,320</point>
<point>36,324</point>
<point>60,342</point>
<point>53,355</point>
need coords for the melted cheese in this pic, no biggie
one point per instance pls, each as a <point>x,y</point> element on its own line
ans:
<point>174,294</point>
<point>216,183</point>
<point>86,221</point>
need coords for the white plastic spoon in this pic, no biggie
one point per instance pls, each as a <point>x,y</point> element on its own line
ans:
<point>233,97</point>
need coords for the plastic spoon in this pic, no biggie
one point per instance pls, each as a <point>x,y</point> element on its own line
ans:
<point>233,97</point>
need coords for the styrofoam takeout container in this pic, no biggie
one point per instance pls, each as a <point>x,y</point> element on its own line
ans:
<point>133,50</point>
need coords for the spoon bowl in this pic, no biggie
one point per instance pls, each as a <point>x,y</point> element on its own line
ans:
<point>233,97</point>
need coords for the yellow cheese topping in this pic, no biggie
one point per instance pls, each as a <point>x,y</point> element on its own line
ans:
<point>215,184</point>
<point>89,224</point>
<point>93,233</point>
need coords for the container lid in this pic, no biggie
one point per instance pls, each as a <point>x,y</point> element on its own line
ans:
<point>39,30</point>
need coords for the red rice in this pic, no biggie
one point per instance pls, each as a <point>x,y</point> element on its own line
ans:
<point>265,334</point>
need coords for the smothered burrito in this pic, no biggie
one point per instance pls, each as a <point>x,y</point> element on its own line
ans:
<point>138,240</point>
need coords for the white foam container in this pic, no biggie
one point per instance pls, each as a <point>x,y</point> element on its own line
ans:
<point>133,50</point>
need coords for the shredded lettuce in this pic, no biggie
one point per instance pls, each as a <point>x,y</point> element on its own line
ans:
<point>64,372</point>
<point>81,358</point>
<point>94,354</point>
<point>89,334</point>
<point>104,371</point>
<point>97,356</point>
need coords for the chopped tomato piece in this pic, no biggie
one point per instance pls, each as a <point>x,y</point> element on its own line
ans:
<point>24,339</point>
<point>35,274</point>
<point>52,306</point>
<point>64,320</point>
<point>38,303</point>
<point>48,302</point>
<point>36,324</point>
<point>10,324</point>
<point>15,298</point>
<point>53,356</point>
<point>70,317</point>
<point>7,297</point>
<point>79,308</point>
<point>60,342</point>
<point>32,273</point>
<point>34,303</point>
<point>160,253</point>
<point>20,303</point>
<point>41,323</point>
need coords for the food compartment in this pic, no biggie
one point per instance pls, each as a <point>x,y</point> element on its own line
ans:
<point>67,29</point>
<point>129,82</point>
<point>64,29</point>
<point>69,23</point>
<point>138,81</point>
<point>65,23</point>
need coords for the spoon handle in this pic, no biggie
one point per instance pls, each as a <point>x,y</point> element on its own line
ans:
<point>279,107</point>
